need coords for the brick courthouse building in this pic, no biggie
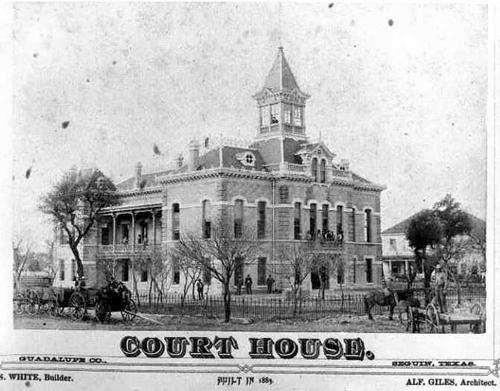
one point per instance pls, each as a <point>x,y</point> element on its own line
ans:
<point>281,184</point>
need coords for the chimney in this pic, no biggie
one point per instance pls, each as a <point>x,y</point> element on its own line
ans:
<point>179,161</point>
<point>138,175</point>
<point>194,155</point>
<point>344,165</point>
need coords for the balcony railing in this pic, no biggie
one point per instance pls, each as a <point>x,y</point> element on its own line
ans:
<point>125,249</point>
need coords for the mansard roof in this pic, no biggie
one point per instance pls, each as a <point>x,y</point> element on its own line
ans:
<point>231,158</point>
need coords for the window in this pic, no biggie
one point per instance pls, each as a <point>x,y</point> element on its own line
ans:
<point>352,233</point>
<point>73,269</point>
<point>324,218</point>
<point>144,275</point>
<point>261,271</point>
<point>105,235</point>
<point>392,244</point>
<point>238,271</point>
<point>287,114</point>
<point>238,218</point>
<point>275,113</point>
<point>125,269</point>
<point>249,159</point>
<point>368,224</point>
<point>283,194</point>
<point>368,269</point>
<point>340,213</point>
<point>354,260</point>
<point>61,269</point>
<point>124,233</point>
<point>296,221</point>
<point>340,275</point>
<point>175,222</point>
<point>314,169</point>
<point>176,271</point>
<point>206,220</point>
<point>322,171</point>
<point>264,116</point>
<point>312,220</point>
<point>297,116</point>
<point>261,219</point>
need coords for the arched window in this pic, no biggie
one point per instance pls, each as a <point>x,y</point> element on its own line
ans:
<point>238,218</point>
<point>261,219</point>
<point>314,169</point>
<point>206,220</point>
<point>368,225</point>
<point>322,171</point>
<point>296,221</point>
<point>283,194</point>
<point>340,218</point>
<point>176,233</point>
<point>312,220</point>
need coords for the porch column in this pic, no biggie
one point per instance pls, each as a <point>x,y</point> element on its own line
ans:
<point>154,228</point>
<point>407,270</point>
<point>390,269</point>
<point>133,230</point>
<point>114,232</point>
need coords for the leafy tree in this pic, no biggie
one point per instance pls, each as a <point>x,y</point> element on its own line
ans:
<point>74,204</point>
<point>217,255</point>
<point>437,229</point>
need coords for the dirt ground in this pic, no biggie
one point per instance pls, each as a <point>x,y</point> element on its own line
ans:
<point>343,323</point>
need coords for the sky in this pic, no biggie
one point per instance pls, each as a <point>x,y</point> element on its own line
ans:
<point>398,90</point>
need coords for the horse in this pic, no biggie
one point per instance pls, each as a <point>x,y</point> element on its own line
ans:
<point>385,297</point>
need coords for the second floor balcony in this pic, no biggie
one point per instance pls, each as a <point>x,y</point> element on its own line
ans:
<point>128,249</point>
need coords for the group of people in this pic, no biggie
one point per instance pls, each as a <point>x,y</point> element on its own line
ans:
<point>140,240</point>
<point>325,235</point>
<point>248,282</point>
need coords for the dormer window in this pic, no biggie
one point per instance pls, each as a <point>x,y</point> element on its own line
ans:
<point>246,158</point>
<point>250,159</point>
<point>275,113</point>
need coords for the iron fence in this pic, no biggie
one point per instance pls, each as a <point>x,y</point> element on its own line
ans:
<point>268,307</point>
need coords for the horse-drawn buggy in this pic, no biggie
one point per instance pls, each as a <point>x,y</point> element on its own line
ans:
<point>40,296</point>
<point>431,320</point>
<point>424,318</point>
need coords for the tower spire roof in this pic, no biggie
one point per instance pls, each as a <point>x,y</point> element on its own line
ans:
<point>280,76</point>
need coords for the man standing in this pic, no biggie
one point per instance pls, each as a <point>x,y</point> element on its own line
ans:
<point>248,284</point>
<point>269,283</point>
<point>440,288</point>
<point>200,286</point>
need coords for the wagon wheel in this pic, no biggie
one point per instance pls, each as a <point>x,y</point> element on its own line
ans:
<point>431,319</point>
<point>101,312</point>
<point>129,311</point>
<point>33,302</point>
<point>19,303</point>
<point>77,302</point>
<point>477,310</point>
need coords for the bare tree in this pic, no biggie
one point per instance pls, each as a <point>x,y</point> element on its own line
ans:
<point>298,261</point>
<point>191,271</point>
<point>74,204</point>
<point>23,255</point>
<point>218,255</point>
